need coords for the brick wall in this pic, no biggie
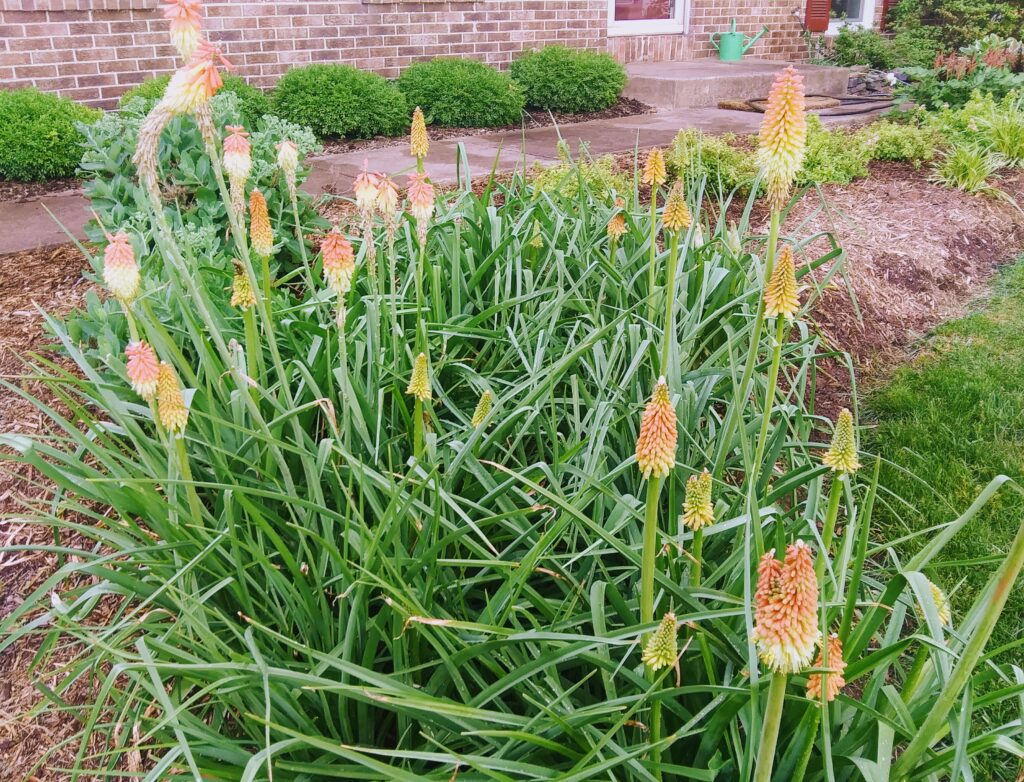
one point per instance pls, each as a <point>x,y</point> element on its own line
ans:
<point>93,50</point>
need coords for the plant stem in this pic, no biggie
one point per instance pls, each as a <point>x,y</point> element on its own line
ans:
<point>770,728</point>
<point>649,552</point>
<point>697,552</point>
<point>828,530</point>
<point>417,429</point>
<point>670,300</point>
<point>194,506</point>
<point>651,270</point>
<point>655,729</point>
<point>1002,583</point>
<point>769,394</point>
<point>735,410</point>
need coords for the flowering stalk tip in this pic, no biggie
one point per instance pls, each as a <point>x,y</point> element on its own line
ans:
<point>781,297</point>
<point>654,173</point>
<point>237,164</point>
<point>677,214</point>
<point>186,25</point>
<point>419,145</point>
<point>170,403</point>
<point>120,272</point>
<point>421,203</point>
<point>261,238</point>
<point>833,681</point>
<point>483,407</point>
<point>786,609</point>
<point>242,295</point>
<point>142,368</point>
<point>656,445</point>
<point>783,136</point>
<point>698,512</point>
<point>662,647</point>
<point>419,383</point>
<point>339,262</point>
<point>192,86</point>
<point>841,456</point>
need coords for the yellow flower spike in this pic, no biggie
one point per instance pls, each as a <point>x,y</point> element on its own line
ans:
<point>783,136</point>
<point>781,298</point>
<point>841,456</point>
<point>617,226</point>
<point>941,604</point>
<point>656,445</point>
<point>242,295</point>
<point>170,403</point>
<point>120,272</point>
<point>483,407</point>
<point>786,609</point>
<point>419,145</point>
<point>677,214</point>
<point>339,262</point>
<point>698,512</point>
<point>662,648</point>
<point>142,368</point>
<point>834,681</point>
<point>654,173</point>
<point>419,383</point>
<point>537,239</point>
<point>261,238</point>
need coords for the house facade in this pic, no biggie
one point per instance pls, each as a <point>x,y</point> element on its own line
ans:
<point>94,50</point>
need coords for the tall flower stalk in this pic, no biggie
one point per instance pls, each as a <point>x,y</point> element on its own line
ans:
<point>675,219</point>
<point>654,175</point>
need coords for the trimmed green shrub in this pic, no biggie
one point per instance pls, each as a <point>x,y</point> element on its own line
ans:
<point>901,143</point>
<point>855,45</point>
<point>253,103</point>
<point>462,93</point>
<point>39,137</point>
<point>833,156</point>
<point>342,101</point>
<point>694,155</point>
<point>572,80</point>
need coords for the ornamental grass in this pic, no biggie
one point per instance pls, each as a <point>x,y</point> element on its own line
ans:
<point>313,563</point>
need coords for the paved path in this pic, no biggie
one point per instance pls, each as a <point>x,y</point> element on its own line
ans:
<point>27,225</point>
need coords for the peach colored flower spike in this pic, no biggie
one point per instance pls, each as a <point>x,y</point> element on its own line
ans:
<point>193,85</point>
<point>783,136</point>
<point>142,368</point>
<point>120,272</point>
<point>288,162</point>
<point>339,262</point>
<point>834,682</point>
<point>237,164</point>
<point>786,609</point>
<point>421,203</point>
<point>186,25</point>
<point>656,445</point>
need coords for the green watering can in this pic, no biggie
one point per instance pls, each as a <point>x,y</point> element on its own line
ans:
<point>733,45</point>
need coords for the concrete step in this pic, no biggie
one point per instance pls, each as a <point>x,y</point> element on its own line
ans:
<point>703,83</point>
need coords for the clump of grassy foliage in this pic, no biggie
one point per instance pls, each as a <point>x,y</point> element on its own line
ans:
<point>945,426</point>
<point>834,156</point>
<point>322,576</point>
<point>598,175</point>
<point>695,156</point>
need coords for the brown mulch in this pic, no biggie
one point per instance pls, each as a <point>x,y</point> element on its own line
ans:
<point>28,191</point>
<point>52,279</point>
<point>623,107</point>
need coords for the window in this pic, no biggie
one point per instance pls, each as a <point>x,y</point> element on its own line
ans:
<point>859,13</point>
<point>639,17</point>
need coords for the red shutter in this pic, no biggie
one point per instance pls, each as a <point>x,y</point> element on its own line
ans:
<point>818,12</point>
<point>886,5</point>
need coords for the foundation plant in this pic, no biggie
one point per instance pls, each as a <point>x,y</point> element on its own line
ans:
<point>485,487</point>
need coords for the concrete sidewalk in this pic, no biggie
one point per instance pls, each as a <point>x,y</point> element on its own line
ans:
<point>28,226</point>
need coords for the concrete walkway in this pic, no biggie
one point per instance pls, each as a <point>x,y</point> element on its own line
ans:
<point>27,225</point>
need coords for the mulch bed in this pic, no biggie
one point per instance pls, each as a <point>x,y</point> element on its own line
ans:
<point>624,107</point>
<point>917,254</point>
<point>29,191</point>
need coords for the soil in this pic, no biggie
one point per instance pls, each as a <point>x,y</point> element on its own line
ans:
<point>29,191</point>
<point>624,107</point>
<point>916,255</point>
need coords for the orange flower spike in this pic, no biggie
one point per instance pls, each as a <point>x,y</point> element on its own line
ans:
<point>656,445</point>
<point>786,609</point>
<point>120,272</point>
<point>186,25</point>
<point>339,262</point>
<point>783,135</point>
<point>142,368</point>
<point>366,187</point>
<point>260,235</point>
<point>834,681</point>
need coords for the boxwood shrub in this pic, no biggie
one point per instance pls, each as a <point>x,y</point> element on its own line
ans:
<point>572,80</point>
<point>339,100</point>
<point>39,138</point>
<point>462,93</point>
<point>253,103</point>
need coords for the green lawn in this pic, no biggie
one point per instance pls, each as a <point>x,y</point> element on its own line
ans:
<point>946,424</point>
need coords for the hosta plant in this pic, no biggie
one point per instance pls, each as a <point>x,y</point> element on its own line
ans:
<point>496,486</point>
